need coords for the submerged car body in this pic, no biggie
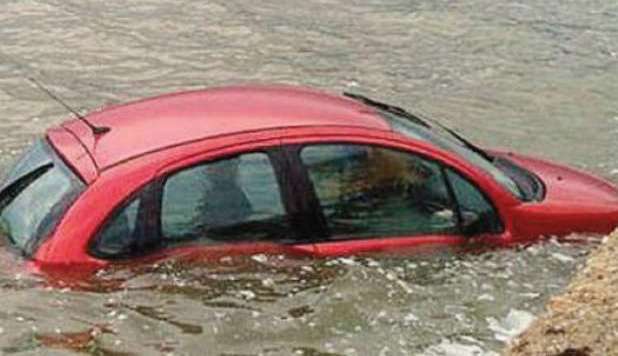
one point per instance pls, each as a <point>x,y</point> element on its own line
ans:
<point>256,169</point>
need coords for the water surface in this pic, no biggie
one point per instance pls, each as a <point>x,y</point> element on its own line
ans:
<point>538,77</point>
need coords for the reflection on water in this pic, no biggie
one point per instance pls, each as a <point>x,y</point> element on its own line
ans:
<point>538,78</point>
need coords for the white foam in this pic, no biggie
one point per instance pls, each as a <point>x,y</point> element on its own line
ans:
<point>512,325</point>
<point>450,348</point>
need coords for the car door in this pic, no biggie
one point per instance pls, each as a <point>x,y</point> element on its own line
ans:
<point>366,197</point>
<point>238,203</point>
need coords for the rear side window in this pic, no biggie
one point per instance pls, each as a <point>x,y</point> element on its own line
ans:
<point>235,199</point>
<point>118,237</point>
<point>231,200</point>
<point>35,195</point>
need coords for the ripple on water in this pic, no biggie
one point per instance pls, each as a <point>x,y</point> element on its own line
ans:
<point>439,304</point>
<point>531,77</point>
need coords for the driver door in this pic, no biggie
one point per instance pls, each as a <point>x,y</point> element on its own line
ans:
<point>372,198</point>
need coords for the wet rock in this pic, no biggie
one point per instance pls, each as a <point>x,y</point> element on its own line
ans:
<point>583,321</point>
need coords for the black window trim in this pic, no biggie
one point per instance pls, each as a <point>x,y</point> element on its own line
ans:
<point>299,198</point>
<point>313,219</point>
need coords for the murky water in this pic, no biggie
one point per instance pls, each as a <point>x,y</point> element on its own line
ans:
<point>539,77</point>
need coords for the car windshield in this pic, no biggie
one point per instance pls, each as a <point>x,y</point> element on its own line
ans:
<point>35,195</point>
<point>448,140</point>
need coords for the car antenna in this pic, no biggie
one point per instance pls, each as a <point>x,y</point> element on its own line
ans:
<point>96,130</point>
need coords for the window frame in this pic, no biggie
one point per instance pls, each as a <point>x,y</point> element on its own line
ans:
<point>277,165</point>
<point>148,192</point>
<point>152,192</point>
<point>307,221</point>
<point>294,151</point>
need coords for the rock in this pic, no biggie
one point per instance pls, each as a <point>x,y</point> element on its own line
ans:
<point>583,321</point>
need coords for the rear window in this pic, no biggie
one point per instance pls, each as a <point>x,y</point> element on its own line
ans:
<point>35,195</point>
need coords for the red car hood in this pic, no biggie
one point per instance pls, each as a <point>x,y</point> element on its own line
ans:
<point>563,183</point>
<point>574,202</point>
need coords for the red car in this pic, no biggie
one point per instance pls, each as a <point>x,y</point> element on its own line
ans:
<point>278,169</point>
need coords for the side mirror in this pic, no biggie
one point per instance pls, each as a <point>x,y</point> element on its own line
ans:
<point>470,222</point>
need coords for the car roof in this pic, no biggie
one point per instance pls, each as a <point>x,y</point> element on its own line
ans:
<point>156,123</point>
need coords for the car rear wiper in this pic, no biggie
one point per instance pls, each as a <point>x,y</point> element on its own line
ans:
<point>387,107</point>
<point>10,192</point>
<point>423,122</point>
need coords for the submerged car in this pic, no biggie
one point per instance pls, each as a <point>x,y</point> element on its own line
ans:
<point>259,169</point>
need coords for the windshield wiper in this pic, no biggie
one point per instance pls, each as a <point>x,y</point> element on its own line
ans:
<point>416,119</point>
<point>388,108</point>
<point>466,143</point>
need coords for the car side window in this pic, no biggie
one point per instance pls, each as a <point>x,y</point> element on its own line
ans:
<point>478,214</point>
<point>370,191</point>
<point>234,199</point>
<point>118,236</point>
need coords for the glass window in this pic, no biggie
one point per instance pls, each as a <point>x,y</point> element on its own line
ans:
<point>35,196</point>
<point>36,156</point>
<point>118,236</point>
<point>235,199</point>
<point>478,215</point>
<point>440,137</point>
<point>367,191</point>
